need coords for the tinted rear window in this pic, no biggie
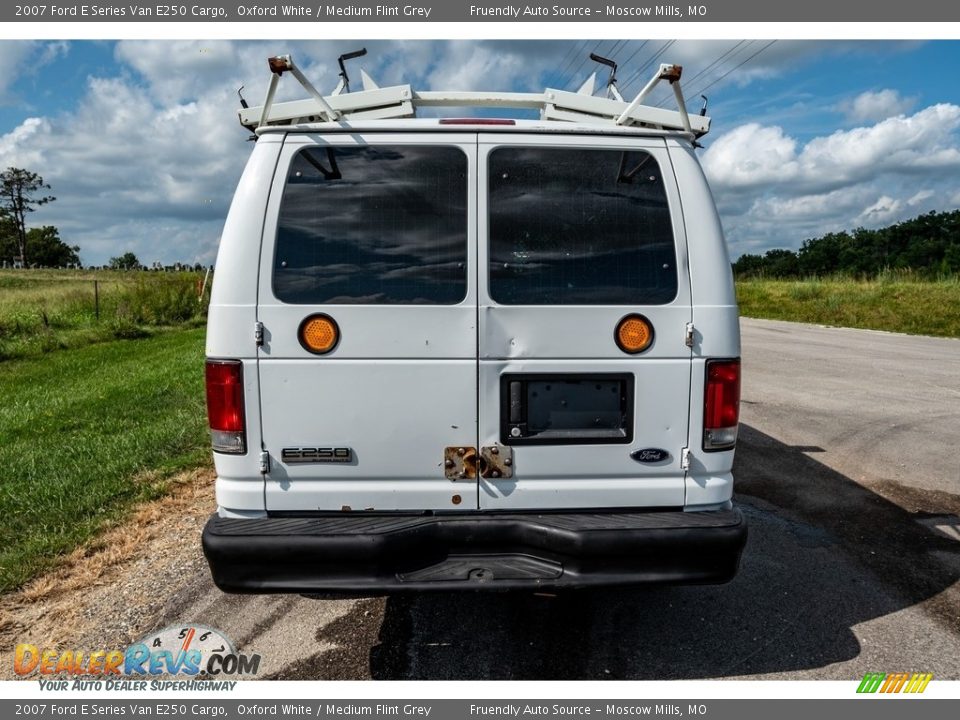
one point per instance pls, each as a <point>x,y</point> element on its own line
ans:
<point>571,226</point>
<point>381,224</point>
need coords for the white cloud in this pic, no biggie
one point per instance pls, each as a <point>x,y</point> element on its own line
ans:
<point>773,191</point>
<point>471,66</point>
<point>833,205</point>
<point>924,140</point>
<point>753,156</point>
<point>25,57</point>
<point>16,145</point>
<point>12,55</point>
<point>875,106</point>
<point>750,156</point>
<point>884,210</point>
<point>50,51</point>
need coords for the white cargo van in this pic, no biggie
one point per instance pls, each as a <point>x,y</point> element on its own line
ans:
<point>466,353</point>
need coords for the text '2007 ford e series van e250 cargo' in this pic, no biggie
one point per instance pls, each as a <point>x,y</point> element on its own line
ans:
<point>472,353</point>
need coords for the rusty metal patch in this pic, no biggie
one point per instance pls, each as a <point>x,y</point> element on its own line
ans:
<point>460,463</point>
<point>496,461</point>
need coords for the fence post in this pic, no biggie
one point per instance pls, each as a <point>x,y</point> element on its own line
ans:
<point>203,288</point>
<point>96,299</point>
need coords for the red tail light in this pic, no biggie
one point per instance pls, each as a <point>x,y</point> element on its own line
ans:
<point>225,406</point>
<point>721,404</point>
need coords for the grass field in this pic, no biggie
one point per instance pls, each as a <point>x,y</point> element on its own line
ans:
<point>46,310</point>
<point>87,433</point>
<point>894,303</point>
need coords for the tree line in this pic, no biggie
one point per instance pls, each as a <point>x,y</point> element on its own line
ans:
<point>928,245</point>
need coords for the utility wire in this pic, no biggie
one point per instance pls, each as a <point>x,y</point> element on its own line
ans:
<point>558,73</point>
<point>667,97</point>
<point>573,75</point>
<point>636,74</point>
<point>716,62</point>
<point>704,89</point>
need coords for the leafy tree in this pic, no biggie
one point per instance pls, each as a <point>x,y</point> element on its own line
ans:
<point>127,261</point>
<point>18,196</point>
<point>748,265</point>
<point>819,257</point>
<point>781,263</point>
<point>951,258</point>
<point>48,250</point>
<point>8,237</point>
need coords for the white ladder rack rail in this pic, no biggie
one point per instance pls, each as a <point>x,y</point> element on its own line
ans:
<point>402,101</point>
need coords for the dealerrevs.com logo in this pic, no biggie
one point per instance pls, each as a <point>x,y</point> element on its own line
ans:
<point>911,683</point>
<point>187,650</point>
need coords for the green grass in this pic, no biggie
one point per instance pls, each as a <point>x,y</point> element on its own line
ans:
<point>46,310</point>
<point>889,302</point>
<point>85,434</point>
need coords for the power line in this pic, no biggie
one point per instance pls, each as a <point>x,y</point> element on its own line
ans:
<point>704,89</point>
<point>716,62</point>
<point>637,73</point>
<point>668,96</point>
<point>557,74</point>
<point>639,48</point>
<point>573,75</point>
<point>614,48</point>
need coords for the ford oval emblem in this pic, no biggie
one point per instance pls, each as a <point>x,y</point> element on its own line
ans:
<point>650,455</point>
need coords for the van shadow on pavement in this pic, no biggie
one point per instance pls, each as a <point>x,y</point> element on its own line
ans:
<point>824,555</point>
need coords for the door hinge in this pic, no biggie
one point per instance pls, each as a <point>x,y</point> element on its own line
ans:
<point>685,459</point>
<point>496,461</point>
<point>264,462</point>
<point>688,338</point>
<point>460,463</point>
<point>258,333</point>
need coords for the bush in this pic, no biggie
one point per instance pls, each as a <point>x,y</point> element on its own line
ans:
<point>161,301</point>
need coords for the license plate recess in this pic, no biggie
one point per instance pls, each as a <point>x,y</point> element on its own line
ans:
<point>566,408</point>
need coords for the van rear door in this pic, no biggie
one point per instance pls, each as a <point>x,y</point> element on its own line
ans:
<point>372,236</point>
<point>577,233</point>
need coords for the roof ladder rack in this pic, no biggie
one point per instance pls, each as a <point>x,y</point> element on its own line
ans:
<point>402,101</point>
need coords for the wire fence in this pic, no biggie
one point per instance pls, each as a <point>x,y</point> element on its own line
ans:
<point>45,310</point>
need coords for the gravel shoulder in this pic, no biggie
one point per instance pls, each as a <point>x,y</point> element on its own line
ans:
<point>112,591</point>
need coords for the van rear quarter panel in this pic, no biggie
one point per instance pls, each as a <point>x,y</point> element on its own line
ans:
<point>231,321</point>
<point>715,317</point>
<point>233,299</point>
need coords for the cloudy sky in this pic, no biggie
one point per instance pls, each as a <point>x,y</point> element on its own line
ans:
<point>141,144</point>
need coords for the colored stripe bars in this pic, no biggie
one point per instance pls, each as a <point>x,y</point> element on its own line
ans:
<point>894,682</point>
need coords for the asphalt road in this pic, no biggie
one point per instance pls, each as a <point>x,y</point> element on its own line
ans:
<point>848,469</point>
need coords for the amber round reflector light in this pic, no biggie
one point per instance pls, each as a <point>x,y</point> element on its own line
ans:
<point>319,334</point>
<point>634,334</point>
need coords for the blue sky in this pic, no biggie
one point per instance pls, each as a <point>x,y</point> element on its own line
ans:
<point>140,142</point>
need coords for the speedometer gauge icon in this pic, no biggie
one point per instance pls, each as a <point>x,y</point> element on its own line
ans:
<point>178,640</point>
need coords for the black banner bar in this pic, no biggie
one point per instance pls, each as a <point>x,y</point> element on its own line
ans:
<point>481,709</point>
<point>585,11</point>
